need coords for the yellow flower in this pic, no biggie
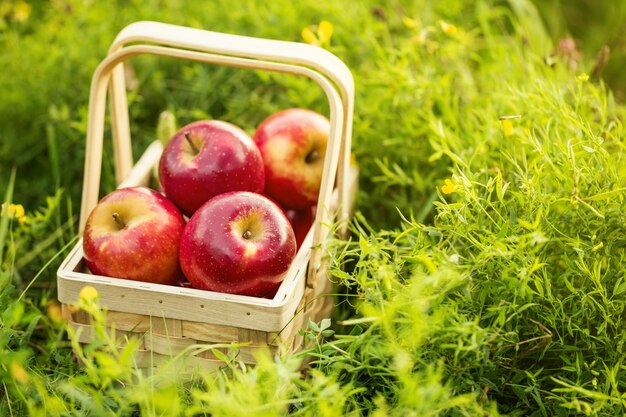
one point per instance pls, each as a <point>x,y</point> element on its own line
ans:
<point>448,187</point>
<point>18,373</point>
<point>21,11</point>
<point>54,311</point>
<point>447,28</point>
<point>88,294</point>
<point>325,31</point>
<point>507,126</point>
<point>583,77</point>
<point>321,36</point>
<point>309,36</point>
<point>408,22</point>
<point>16,211</point>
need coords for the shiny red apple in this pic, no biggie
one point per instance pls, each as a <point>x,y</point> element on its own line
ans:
<point>207,158</point>
<point>134,233</point>
<point>238,243</point>
<point>293,144</point>
<point>301,222</point>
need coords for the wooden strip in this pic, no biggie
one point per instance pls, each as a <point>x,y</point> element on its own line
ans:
<point>166,327</point>
<point>297,322</point>
<point>86,334</point>
<point>211,333</point>
<point>145,358</point>
<point>255,337</point>
<point>66,312</point>
<point>81,316</point>
<point>290,331</point>
<point>167,345</point>
<point>172,346</point>
<point>245,354</point>
<point>137,323</point>
<point>120,127</point>
<point>149,359</point>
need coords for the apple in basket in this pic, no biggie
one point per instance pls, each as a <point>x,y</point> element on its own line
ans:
<point>238,243</point>
<point>207,158</point>
<point>301,222</point>
<point>134,233</point>
<point>293,144</point>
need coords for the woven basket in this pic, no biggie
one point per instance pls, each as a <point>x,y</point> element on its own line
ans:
<point>169,319</point>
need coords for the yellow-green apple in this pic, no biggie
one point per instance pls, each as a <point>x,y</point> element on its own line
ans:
<point>301,222</point>
<point>207,158</point>
<point>237,243</point>
<point>134,233</point>
<point>293,143</point>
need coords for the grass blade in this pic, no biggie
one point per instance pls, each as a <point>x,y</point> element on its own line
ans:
<point>5,216</point>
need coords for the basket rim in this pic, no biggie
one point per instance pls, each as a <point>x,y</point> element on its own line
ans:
<point>69,271</point>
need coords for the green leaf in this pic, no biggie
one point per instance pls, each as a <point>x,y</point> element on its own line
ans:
<point>313,326</point>
<point>325,324</point>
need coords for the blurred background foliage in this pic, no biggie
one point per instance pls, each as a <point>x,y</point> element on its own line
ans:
<point>592,25</point>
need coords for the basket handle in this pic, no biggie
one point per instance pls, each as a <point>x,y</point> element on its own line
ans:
<point>241,52</point>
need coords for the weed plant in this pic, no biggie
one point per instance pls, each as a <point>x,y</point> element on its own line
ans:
<point>484,273</point>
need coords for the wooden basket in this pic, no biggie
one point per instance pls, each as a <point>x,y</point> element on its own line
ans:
<point>170,319</point>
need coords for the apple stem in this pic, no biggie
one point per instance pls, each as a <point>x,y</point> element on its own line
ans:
<point>118,220</point>
<point>311,156</point>
<point>247,235</point>
<point>193,146</point>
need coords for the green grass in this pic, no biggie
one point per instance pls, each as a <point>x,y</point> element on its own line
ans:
<point>484,274</point>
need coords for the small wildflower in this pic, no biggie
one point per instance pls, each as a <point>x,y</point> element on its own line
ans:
<point>18,373</point>
<point>321,36</point>
<point>448,187</point>
<point>408,22</point>
<point>88,294</point>
<point>447,28</point>
<point>507,126</point>
<point>325,31</point>
<point>15,211</point>
<point>309,36</point>
<point>54,311</point>
<point>21,11</point>
<point>583,77</point>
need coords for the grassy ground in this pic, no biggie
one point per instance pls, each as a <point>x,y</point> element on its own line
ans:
<point>485,273</point>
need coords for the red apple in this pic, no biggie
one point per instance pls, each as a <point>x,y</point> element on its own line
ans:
<point>301,222</point>
<point>293,143</point>
<point>134,233</point>
<point>207,158</point>
<point>238,243</point>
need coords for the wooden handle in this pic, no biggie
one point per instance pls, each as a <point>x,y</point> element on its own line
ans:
<point>319,65</point>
